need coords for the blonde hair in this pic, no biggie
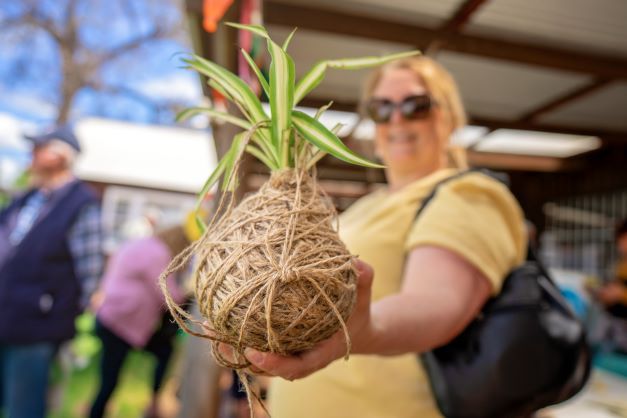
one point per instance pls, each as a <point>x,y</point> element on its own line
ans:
<point>442,88</point>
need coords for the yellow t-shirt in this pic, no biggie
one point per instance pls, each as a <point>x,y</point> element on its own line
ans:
<point>474,216</point>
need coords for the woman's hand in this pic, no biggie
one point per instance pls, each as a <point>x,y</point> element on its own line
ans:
<point>327,351</point>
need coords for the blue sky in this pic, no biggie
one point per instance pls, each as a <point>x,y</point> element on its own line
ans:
<point>31,73</point>
<point>30,70</point>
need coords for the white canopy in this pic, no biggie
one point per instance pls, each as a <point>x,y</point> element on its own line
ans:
<point>152,156</point>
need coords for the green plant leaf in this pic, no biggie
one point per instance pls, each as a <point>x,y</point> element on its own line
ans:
<point>260,77</point>
<point>310,81</point>
<point>316,133</point>
<point>365,62</point>
<point>232,157</point>
<point>187,113</point>
<point>200,223</point>
<point>323,109</point>
<point>281,99</point>
<point>235,90</point>
<point>281,92</point>
<point>287,41</point>
<point>233,86</point>
<point>314,76</point>
<point>256,152</point>
<point>213,179</point>
<point>212,83</point>
<point>256,29</point>
<point>337,128</point>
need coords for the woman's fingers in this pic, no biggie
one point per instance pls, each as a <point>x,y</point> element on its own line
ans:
<point>298,366</point>
<point>304,364</point>
<point>364,284</point>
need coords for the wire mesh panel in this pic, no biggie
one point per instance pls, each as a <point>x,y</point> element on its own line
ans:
<point>579,232</point>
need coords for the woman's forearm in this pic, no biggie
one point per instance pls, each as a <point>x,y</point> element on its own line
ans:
<point>404,323</point>
<point>441,295</point>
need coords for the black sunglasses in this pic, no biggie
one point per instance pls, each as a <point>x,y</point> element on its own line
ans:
<point>411,108</point>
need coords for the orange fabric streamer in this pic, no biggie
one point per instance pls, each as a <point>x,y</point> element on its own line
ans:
<point>213,10</point>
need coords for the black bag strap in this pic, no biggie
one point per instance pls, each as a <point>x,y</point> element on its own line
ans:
<point>435,189</point>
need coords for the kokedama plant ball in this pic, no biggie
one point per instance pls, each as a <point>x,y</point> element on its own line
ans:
<point>273,274</point>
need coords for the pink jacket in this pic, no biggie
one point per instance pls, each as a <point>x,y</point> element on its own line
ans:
<point>132,300</point>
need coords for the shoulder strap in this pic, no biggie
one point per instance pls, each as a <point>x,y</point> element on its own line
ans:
<point>430,196</point>
<point>435,189</point>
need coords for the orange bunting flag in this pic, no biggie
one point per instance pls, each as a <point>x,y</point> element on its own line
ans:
<point>213,10</point>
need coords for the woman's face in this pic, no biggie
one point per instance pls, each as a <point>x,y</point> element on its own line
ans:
<point>405,146</point>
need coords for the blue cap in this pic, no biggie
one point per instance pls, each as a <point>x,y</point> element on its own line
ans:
<point>62,133</point>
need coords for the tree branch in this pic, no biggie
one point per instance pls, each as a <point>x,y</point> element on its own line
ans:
<point>130,93</point>
<point>41,22</point>
<point>155,34</point>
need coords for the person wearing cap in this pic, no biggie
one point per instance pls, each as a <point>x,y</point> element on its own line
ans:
<point>50,261</point>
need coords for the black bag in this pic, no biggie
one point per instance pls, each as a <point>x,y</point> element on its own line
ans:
<point>526,350</point>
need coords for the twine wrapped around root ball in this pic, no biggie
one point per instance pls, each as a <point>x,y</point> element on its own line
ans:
<point>272,273</point>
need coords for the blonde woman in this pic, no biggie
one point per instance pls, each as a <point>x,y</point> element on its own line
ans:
<point>431,275</point>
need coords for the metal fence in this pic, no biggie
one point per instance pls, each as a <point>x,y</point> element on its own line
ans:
<point>579,232</point>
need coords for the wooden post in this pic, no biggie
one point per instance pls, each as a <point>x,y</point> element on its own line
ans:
<point>200,393</point>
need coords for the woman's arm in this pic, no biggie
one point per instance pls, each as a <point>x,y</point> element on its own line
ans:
<point>441,295</point>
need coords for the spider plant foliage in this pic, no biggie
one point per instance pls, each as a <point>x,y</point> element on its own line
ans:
<point>287,138</point>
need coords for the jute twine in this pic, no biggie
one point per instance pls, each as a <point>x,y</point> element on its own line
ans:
<point>272,273</point>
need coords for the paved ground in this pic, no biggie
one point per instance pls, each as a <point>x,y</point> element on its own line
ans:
<point>605,396</point>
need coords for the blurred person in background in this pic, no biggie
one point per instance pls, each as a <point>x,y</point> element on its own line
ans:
<point>50,261</point>
<point>613,295</point>
<point>609,331</point>
<point>131,311</point>
<point>433,274</point>
<point>142,226</point>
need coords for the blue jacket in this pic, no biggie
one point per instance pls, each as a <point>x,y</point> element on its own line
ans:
<point>39,290</point>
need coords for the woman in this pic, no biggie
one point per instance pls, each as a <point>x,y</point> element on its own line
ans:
<point>433,274</point>
<point>131,312</point>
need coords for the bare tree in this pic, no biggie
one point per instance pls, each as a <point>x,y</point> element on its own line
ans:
<point>93,39</point>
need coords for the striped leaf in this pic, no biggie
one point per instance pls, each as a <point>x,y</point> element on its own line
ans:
<point>365,62</point>
<point>281,91</point>
<point>212,83</point>
<point>316,133</point>
<point>256,152</point>
<point>234,89</point>
<point>256,29</point>
<point>232,157</point>
<point>226,117</point>
<point>260,77</point>
<point>233,86</point>
<point>213,179</point>
<point>311,80</point>
<point>319,154</point>
<point>287,41</point>
<point>281,99</point>
<point>323,109</point>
